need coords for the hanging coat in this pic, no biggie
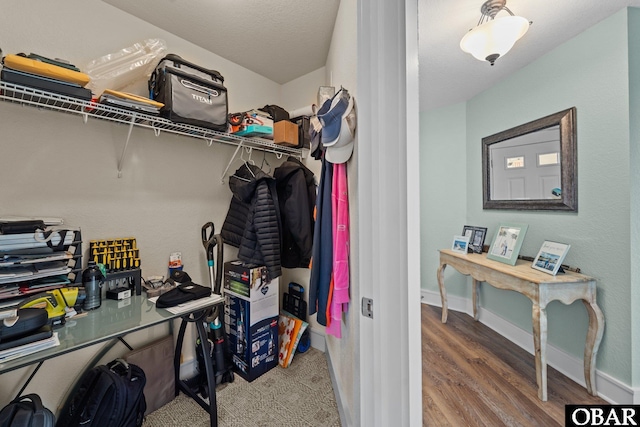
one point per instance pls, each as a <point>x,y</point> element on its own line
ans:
<point>254,204</point>
<point>296,188</point>
<point>322,258</point>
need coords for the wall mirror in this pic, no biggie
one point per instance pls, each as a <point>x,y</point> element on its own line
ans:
<point>532,166</point>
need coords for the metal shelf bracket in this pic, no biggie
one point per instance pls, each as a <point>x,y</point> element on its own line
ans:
<point>126,144</point>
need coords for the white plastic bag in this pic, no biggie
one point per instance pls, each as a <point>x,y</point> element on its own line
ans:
<point>123,68</point>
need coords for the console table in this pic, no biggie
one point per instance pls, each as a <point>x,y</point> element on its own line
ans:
<point>541,289</point>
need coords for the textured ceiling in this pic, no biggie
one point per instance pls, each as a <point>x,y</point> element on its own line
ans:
<point>278,39</point>
<point>285,39</point>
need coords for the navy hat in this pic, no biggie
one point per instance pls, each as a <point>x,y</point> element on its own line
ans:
<point>330,115</point>
<point>341,151</point>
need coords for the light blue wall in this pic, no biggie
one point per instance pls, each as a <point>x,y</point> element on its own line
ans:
<point>443,202</point>
<point>590,72</point>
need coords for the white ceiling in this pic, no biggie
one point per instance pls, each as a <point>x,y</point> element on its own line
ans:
<point>448,75</point>
<point>278,39</point>
<point>285,39</point>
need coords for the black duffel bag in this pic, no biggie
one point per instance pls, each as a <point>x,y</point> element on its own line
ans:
<point>190,93</point>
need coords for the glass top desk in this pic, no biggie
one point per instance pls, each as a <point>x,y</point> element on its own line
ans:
<point>112,321</point>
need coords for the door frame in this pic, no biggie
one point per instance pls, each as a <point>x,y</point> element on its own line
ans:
<point>390,372</point>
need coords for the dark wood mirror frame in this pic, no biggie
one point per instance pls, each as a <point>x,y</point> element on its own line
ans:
<point>566,120</point>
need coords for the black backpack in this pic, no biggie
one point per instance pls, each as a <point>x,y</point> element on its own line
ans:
<point>109,395</point>
<point>26,411</point>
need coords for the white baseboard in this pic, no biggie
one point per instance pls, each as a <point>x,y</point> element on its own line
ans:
<point>609,388</point>
<point>317,340</point>
<point>342,408</point>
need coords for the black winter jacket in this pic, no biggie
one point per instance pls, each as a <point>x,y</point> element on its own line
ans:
<point>253,221</point>
<point>296,188</point>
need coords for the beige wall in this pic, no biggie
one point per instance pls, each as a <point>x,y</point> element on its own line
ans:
<point>53,164</point>
<point>341,71</point>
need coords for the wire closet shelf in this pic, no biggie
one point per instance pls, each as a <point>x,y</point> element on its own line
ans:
<point>52,101</point>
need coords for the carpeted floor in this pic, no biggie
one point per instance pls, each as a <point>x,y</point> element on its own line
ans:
<point>298,396</point>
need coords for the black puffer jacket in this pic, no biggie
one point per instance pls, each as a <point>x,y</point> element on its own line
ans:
<point>297,196</point>
<point>253,221</point>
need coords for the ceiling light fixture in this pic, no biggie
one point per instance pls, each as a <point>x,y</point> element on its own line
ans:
<point>494,37</point>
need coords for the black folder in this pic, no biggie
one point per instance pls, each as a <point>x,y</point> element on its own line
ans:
<point>43,333</point>
<point>21,78</point>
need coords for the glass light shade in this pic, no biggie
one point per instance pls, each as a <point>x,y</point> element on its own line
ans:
<point>495,37</point>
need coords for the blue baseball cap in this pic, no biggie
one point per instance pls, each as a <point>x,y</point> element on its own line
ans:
<point>330,116</point>
<point>341,151</point>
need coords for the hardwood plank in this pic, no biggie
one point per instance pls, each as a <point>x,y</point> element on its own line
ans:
<point>483,379</point>
<point>473,376</point>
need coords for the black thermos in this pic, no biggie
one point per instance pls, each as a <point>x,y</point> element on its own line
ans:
<point>92,281</point>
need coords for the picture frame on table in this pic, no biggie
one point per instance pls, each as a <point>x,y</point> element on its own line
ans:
<point>460,244</point>
<point>550,257</point>
<point>477,236</point>
<point>506,243</point>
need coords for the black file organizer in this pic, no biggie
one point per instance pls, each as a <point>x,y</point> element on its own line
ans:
<point>75,275</point>
<point>75,262</point>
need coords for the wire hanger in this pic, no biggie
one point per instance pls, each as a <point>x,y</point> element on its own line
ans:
<point>265,162</point>
<point>248,160</point>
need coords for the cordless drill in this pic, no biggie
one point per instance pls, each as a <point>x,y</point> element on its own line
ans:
<point>57,302</point>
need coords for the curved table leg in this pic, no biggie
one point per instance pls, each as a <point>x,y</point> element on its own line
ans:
<point>212,408</point>
<point>540,348</point>
<point>594,336</point>
<point>443,292</point>
<point>177,353</point>
<point>476,301</point>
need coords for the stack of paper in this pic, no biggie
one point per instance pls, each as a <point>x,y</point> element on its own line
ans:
<point>14,259</point>
<point>130,101</point>
<point>37,261</point>
<point>32,272</point>
<point>10,291</point>
<point>12,242</point>
<point>34,347</point>
<point>46,220</point>
<point>191,305</point>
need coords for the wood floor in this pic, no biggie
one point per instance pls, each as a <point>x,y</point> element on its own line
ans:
<point>472,376</point>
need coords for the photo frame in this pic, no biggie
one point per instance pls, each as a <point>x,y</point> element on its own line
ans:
<point>460,244</point>
<point>477,236</point>
<point>550,257</point>
<point>506,243</point>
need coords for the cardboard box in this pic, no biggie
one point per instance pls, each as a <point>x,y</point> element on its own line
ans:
<point>251,318</point>
<point>285,133</point>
